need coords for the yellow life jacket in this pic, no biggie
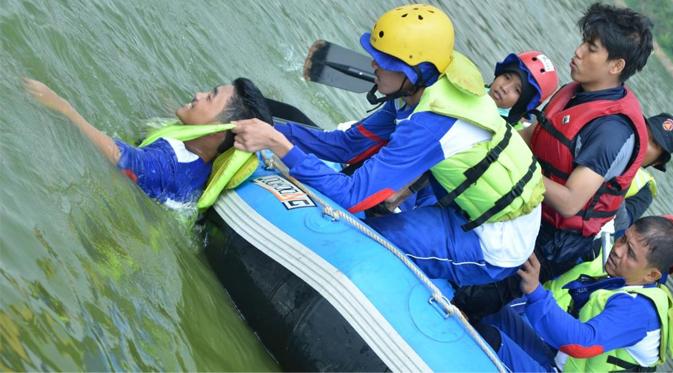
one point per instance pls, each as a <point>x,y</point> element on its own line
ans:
<point>494,180</point>
<point>642,179</point>
<point>619,359</point>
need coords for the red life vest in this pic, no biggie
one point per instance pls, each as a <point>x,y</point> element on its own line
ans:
<point>552,143</point>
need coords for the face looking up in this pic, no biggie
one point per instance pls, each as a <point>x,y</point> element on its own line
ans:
<point>205,107</point>
<point>628,259</point>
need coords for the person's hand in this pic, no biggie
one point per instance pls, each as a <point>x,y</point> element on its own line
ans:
<point>530,274</point>
<point>396,199</point>
<point>253,135</point>
<point>46,96</point>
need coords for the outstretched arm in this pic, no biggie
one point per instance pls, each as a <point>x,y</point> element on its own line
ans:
<point>51,100</point>
<point>414,149</point>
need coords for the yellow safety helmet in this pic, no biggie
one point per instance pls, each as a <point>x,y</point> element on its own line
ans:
<point>415,33</point>
<point>418,33</point>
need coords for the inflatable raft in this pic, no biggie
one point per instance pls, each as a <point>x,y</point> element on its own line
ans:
<point>323,295</point>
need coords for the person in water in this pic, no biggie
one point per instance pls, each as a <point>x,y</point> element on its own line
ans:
<point>168,169</point>
<point>481,170</point>
<point>643,188</point>
<point>522,82</point>
<point>594,319</point>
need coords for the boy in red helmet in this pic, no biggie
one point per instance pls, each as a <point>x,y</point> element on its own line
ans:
<point>522,82</point>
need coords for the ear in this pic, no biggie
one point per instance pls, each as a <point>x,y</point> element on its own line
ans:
<point>652,275</point>
<point>617,66</point>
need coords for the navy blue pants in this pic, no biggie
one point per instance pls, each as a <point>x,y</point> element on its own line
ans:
<point>521,349</point>
<point>433,238</point>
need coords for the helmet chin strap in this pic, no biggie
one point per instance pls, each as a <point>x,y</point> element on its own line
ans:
<point>371,95</point>
<point>401,92</point>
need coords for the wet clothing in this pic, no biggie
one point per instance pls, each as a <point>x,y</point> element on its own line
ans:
<point>165,170</point>
<point>439,246</point>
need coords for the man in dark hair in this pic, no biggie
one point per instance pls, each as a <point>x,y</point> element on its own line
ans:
<point>590,142</point>
<point>625,34</point>
<point>169,169</point>
<point>594,319</point>
<point>593,138</point>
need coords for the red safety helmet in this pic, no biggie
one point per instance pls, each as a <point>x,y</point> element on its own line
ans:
<point>543,72</point>
<point>537,70</point>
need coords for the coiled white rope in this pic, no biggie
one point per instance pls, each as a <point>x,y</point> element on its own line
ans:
<point>437,296</point>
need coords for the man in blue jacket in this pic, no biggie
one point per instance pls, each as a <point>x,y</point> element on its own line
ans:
<point>593,318</point>
<point>436,119</point>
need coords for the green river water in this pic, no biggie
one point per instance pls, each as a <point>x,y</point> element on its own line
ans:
<point>93,275</point>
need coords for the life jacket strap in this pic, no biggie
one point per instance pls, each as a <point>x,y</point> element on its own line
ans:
<point>628,367</point>
<point>505,200</point>
<point>549,127</point>
<point>420,183</point>
<point>473,173</point>
<point>548,169</point>
<point>610,187</point>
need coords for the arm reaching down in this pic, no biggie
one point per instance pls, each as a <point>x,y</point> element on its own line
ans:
<point>45,96</point>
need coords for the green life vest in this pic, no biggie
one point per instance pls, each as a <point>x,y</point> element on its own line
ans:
<point>619,359</point>
<point>641,179</point>
<point>495,180</point>
<point>230,168</point>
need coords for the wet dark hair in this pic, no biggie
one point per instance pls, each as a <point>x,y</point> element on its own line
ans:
<point>247,102</point>
<point>625,34</point>
<point>657,233</point>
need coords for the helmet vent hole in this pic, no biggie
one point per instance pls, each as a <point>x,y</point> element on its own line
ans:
<point>534,58</point>
<point>431,11</point>
<point>420,17</point>
<point>380,34</point>
<point>415,8</point>
<point>405,14</point>
<point>542,70</point>
<point>411,56</point>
